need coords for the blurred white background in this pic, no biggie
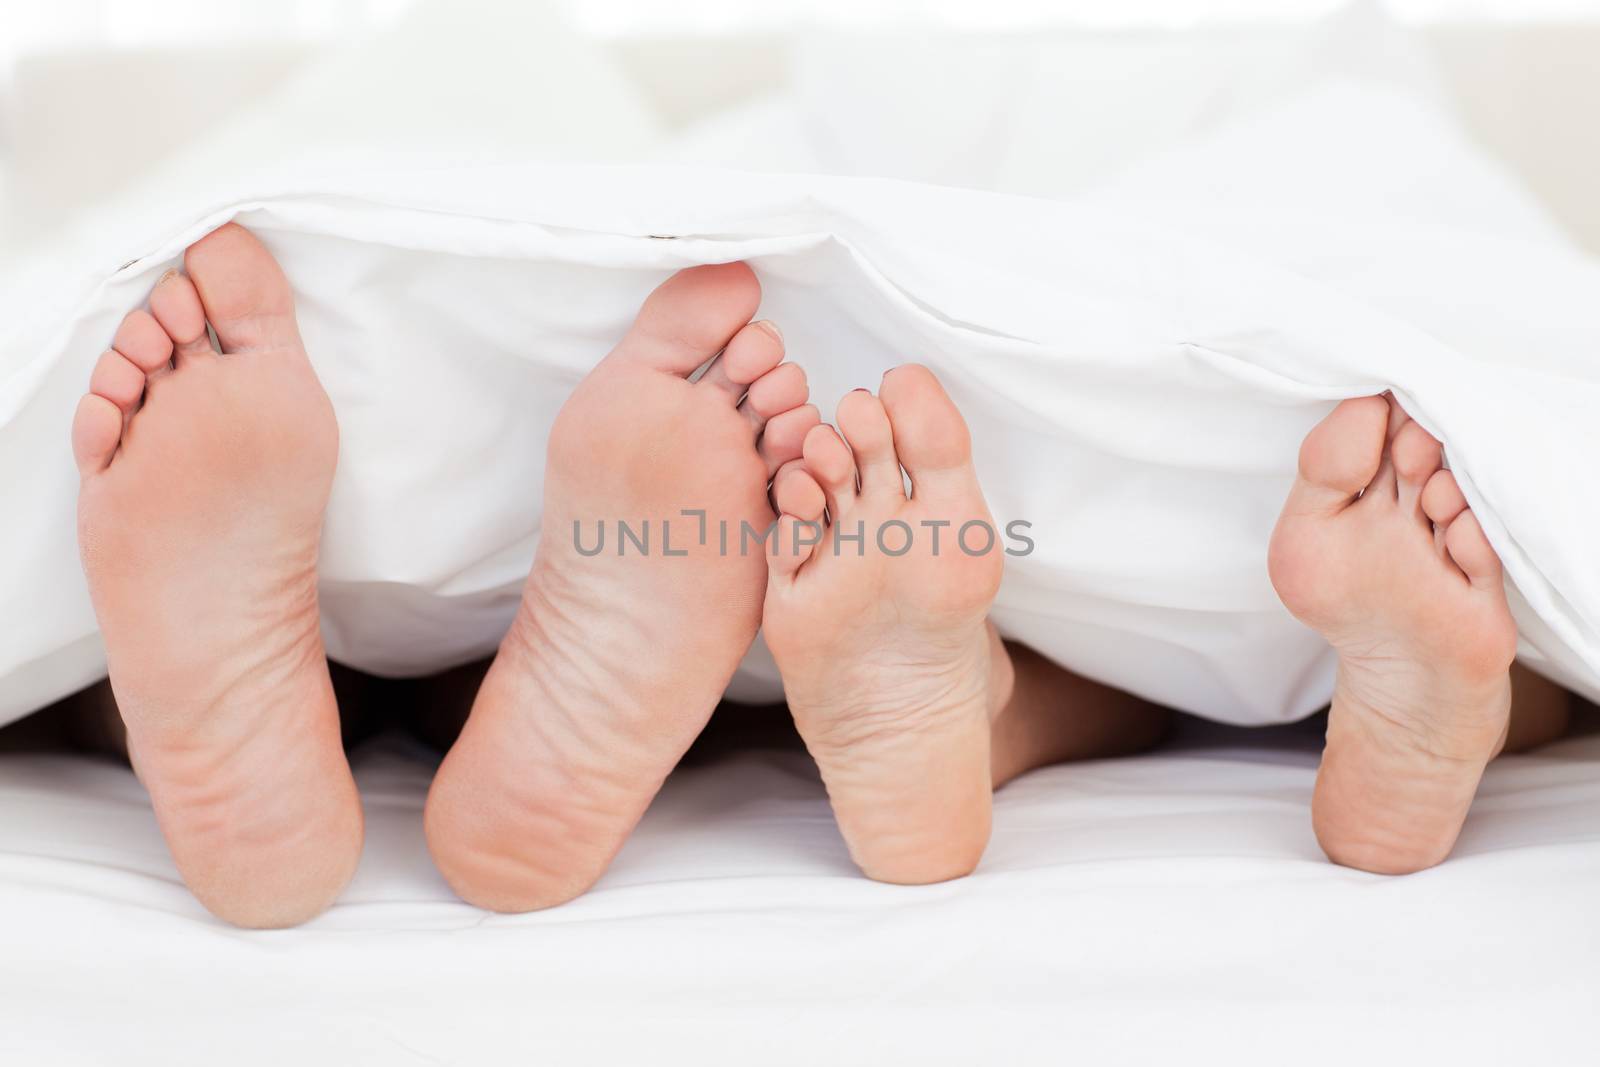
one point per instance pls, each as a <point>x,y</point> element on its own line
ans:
<point>31,26</point>
<point>95,93</point>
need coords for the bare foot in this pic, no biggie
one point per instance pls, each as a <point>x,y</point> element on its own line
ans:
<point>1377,551</point>
<point>890,669</point>
<point>204,480</point>
<point>615,661</point>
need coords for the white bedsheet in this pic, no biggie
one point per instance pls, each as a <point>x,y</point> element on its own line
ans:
<point>1170,908</point>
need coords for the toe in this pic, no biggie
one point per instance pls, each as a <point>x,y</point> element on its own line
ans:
<point>930,436</point>
<point>865,425</point>
<point>1386,483</point>
<point>96,429</point>
<point>797,539</point>
<point>828,459</point>
<point>1340,457</point>
<point>775,392</point>
<point>1442,498</point>
<point>1470,549</point>
<point>1416,455</point>
<point>143,342</point>
<point>691,317</point>
<point>795,492</point>
<point>754,351</point>
<point>117,379</point>
<point>243,290</point>
<point>799,501</point>
<point>176,306</point>
<point>784,436</point>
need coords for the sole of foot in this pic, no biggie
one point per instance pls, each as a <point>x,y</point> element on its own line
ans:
<point>205,476</point>
<point>622,647</point>
<point>1378,551</point>
<point>880,630</point>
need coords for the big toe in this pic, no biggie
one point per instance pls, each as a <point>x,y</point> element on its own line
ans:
<point>691,317</point>
<point>1340,456</point>
<point>930,436</point>
<point>243,290</point>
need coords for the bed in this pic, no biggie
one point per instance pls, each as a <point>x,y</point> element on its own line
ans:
<point>1165,907</point>
<point>1171,906</point>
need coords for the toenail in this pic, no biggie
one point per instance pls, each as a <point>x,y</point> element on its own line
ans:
<point>771,328</point>
<point>172,272</point>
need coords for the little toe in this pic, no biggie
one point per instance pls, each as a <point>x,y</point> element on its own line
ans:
<point>828,459</point>
<point>116,378</point>
<point>799,501</point>
<point>96,429</point>
<point>244,292</point>
<point>1340,457</point>
<point>754,351</point>
<point>141,339</point>
<point>1471,551</point>
<point>865,425</point>
<point>775,392</point>
<point>1416,455</point>
<point>795,492</point>
<point>931,438</point>
<point>176,306</point>
<point>692,316</point>
<point>796,541</point>
<point>783,438</point>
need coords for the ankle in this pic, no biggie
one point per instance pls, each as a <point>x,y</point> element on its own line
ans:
<point>1002,674</point>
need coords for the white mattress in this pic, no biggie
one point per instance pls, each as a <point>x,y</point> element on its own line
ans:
<point>1173,906</point>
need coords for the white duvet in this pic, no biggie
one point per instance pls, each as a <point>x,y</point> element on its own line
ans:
<point>1136,393</point>
<point>1138,357</point>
